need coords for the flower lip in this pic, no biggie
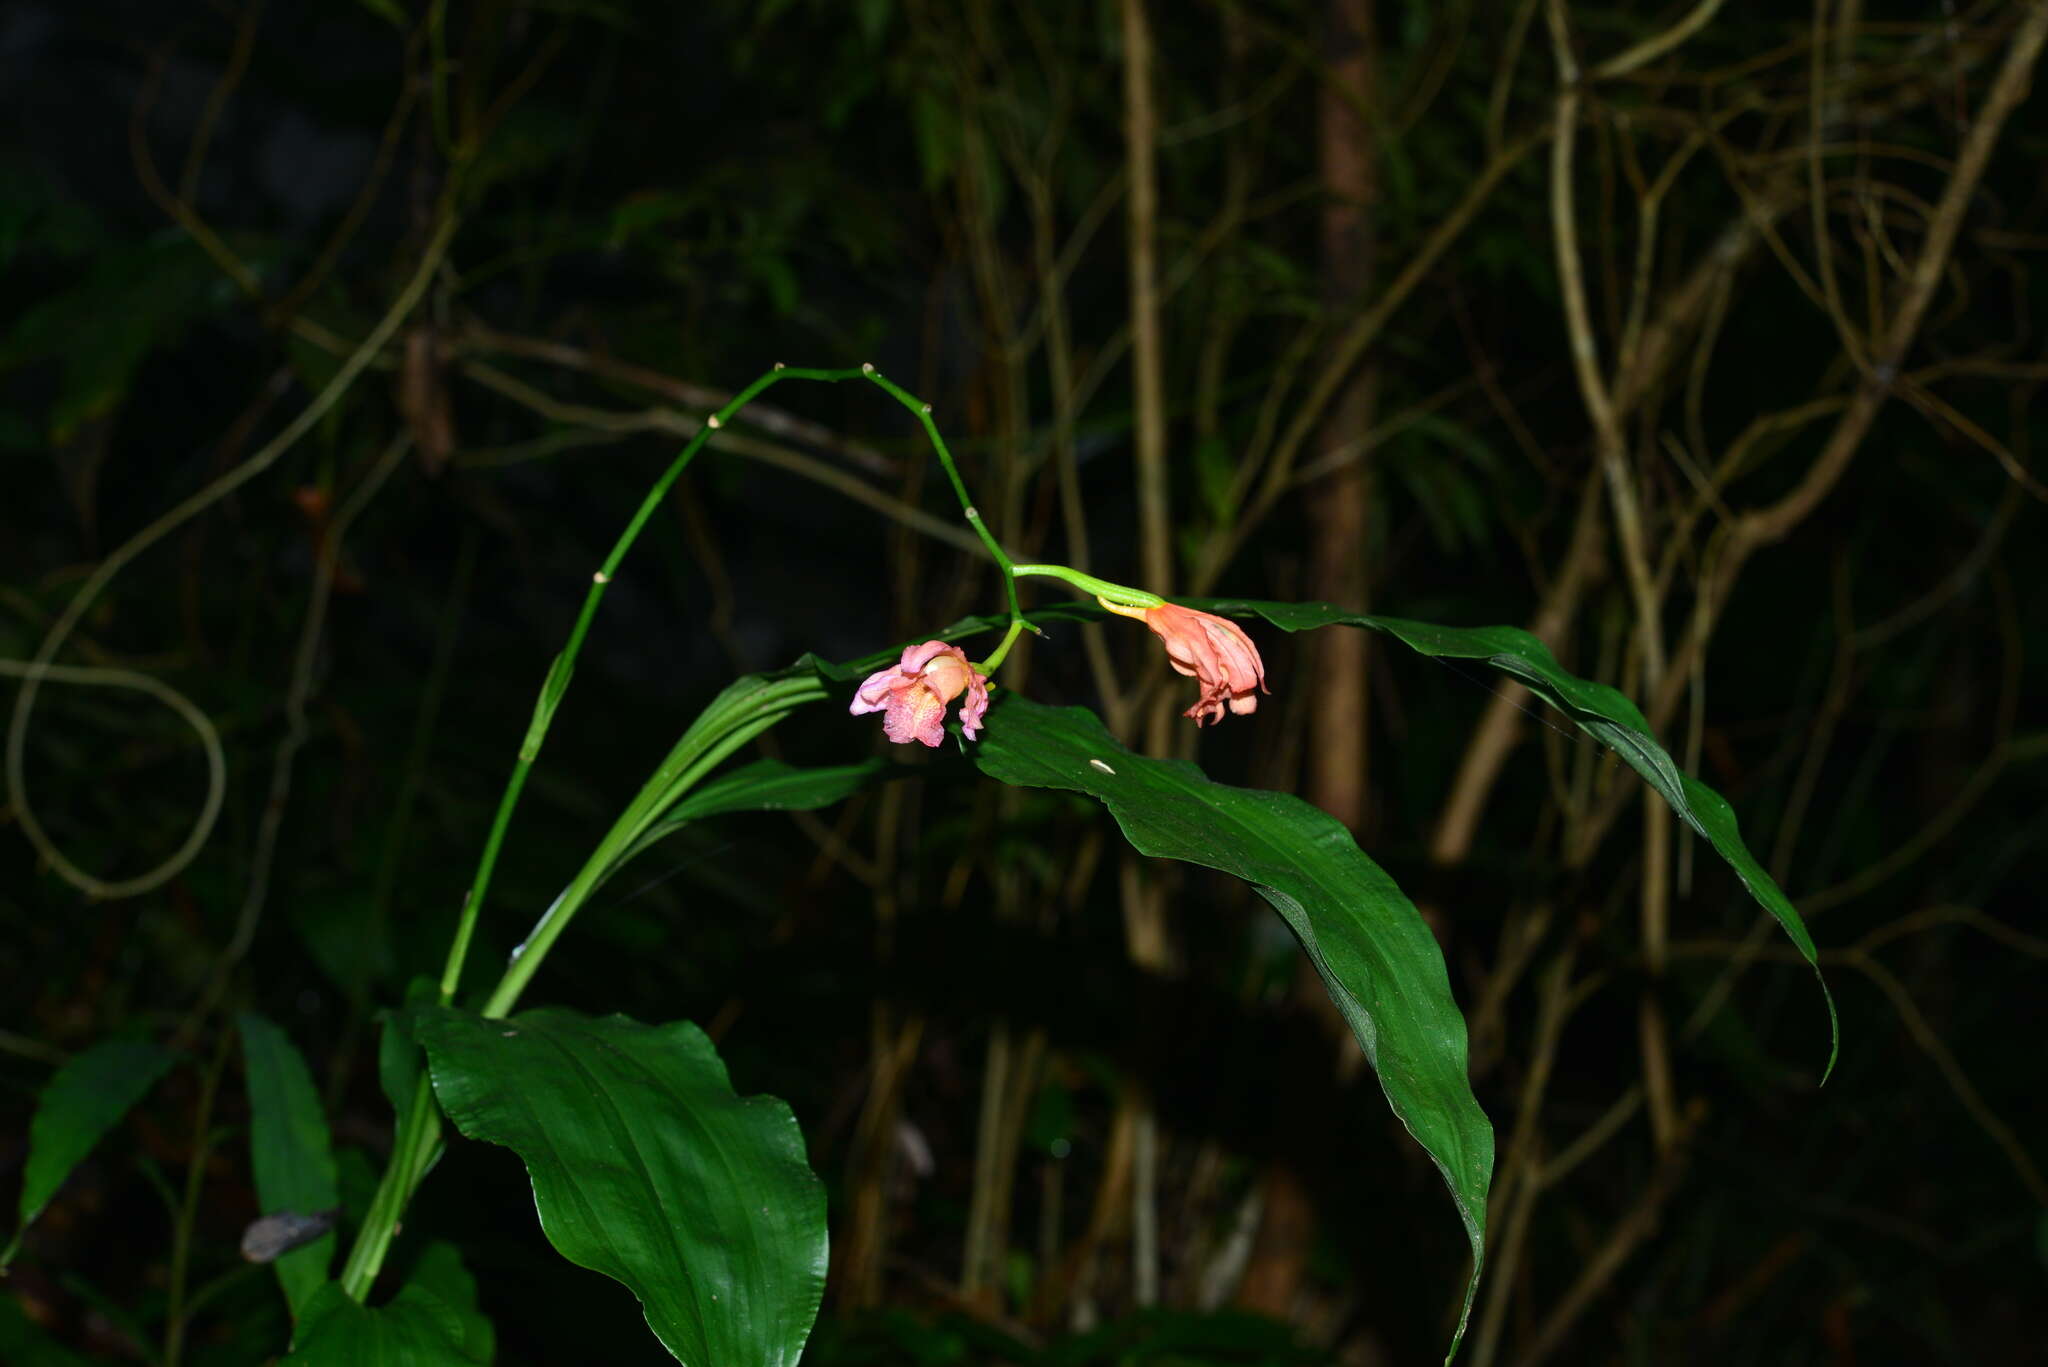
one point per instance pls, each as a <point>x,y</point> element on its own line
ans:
<point>913,694</point>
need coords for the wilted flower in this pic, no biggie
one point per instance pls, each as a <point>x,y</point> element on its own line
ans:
<point>1211,650</point>
<point>912,694</point>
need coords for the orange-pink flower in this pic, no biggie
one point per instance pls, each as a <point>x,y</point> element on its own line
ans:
<point>1211,650</point>
<point>913,693</point>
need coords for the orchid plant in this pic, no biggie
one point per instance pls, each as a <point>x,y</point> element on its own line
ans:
<point>648,1167</point>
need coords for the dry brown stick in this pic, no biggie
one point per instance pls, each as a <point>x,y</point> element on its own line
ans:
<point>1345,354</point>
<point>217,99</point>
<point>979,1279</point>
<point>863,1244</point>
<point>1939,409</point>
<point>779,422</point>
<point>202,234</point>
<point>1622,1241</point>
<point>1144,905</point>
<point>1650,351</point>
<point>1930,1042</point>
<point>1504,74</point>
<point>1757,528</point>
<point>1612,453</point>
<point>1917,1025</point>
<point>1076,1271</point>
<point>1512,1201</point>
<point>675,423</point>
<point>2004,751</point>
<point>1148,384</point>
<point>1609,443</point>
<point>294,299</point>
<point>1066,460</point>
<point>1819,733</point>
<point>2018,941</point>
<point>1655,46</point>
<point>1767,525</point>
<point>1485,1020</point>
<point>1495,736</point>
<point>1654,349</point>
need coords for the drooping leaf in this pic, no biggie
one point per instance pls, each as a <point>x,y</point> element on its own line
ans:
<point>289,1150</point>
<point>647,1167</point>
<point>1375,955</point>
<point>80,1103</point>
<point>1596,709</point>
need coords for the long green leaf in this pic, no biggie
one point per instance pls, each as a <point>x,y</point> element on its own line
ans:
<point>648,1168</point>
<point>80,1103</point>
<point>766,785</point>
<point>1600,711</point>
<point>1376,956</point>
<point>769,785</point>
<point>288,1150</point>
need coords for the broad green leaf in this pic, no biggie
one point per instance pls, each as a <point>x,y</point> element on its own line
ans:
<point>1601,712</point>
<point>647,1167</point>
<point>416,1329</point>
<point>1376,956</point>
<point>80,1103</point>
<point>288,1150</point>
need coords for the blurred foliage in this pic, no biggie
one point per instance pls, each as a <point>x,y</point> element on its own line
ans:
<point>204,211</point>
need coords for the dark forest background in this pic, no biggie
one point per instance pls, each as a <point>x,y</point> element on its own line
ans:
<point>1701,339</point>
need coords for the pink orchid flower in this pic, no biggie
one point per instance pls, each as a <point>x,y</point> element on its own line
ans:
<point>913,693</point>
<point>1211,650</point>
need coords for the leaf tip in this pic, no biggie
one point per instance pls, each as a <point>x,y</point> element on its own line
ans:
<point>1834,1027</point>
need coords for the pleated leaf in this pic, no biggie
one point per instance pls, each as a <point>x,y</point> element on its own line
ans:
<point>647,1167</point>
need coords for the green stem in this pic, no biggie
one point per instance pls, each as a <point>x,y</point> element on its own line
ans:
<point>995,658</point>
<point>714,747</point>
<point>1101,588</point>
<point>923,412</point>
<point>558,677</point>
<point>417,1139</point>
<point>716,739</point>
